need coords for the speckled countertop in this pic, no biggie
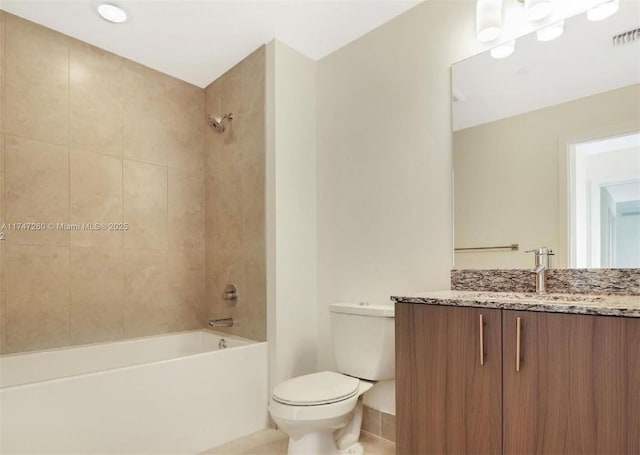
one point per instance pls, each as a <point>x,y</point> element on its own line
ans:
<point>602,305</point>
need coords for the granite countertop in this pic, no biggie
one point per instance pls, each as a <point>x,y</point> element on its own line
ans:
<point>602,305</point>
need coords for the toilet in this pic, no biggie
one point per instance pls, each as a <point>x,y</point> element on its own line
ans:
<point>322,412</point>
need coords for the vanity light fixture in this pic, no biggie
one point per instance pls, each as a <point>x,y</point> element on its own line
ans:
<point>550,32</point>
<point>504,50</point>
<point>536,10</point>
<point>112,13</point>
<point>488,20</point>
<point>603,10</point>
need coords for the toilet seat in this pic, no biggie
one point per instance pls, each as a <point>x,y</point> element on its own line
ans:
<point>316,389</point>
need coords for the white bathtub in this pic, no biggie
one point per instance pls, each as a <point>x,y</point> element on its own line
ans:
<point>169,394</point>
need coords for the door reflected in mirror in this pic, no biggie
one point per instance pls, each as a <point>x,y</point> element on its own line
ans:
<point>605,202</point>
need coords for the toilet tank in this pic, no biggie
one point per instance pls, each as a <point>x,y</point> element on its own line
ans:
<point>364,340</point>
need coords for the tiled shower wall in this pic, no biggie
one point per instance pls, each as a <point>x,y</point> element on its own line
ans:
<point>90,137</point>
<point>235,197</point>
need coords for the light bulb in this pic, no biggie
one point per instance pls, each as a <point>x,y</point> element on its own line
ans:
<point>488,20</point>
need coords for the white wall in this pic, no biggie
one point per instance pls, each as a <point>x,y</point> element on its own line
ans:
<point>291,213</point>
<point>627,238</point>
<point>384,163</point>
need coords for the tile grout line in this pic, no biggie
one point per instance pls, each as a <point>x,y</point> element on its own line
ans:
<point>122,185</point>
<point>3,296</point>
<point>121,157</point>
<point>69,180</point>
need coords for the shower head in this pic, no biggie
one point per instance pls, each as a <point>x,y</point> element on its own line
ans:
<point>217,123</point>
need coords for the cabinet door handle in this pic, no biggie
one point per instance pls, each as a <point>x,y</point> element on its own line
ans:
<point>481,340</point>
<point>518,337</point>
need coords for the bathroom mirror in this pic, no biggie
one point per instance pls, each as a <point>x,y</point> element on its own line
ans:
<point>546,148</point>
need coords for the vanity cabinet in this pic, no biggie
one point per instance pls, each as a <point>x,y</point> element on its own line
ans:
<point>449,398</point>
<point>565,384</point>
<point>577,390</point>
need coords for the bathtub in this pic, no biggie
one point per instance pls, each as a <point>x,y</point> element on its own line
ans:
<point>170,394</point>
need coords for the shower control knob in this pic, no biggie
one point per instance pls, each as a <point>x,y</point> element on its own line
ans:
<point>230,294</point>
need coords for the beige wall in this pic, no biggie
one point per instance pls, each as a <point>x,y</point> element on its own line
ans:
<point>90,137</point>
<point>235,197</point>
<point>384,163</point>
<point>508,180</point>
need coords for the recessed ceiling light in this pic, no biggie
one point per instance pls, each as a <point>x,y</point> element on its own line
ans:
<point>504,50</point>
<point>112,13</point>
<point>603,11</point>
<point>551,32</point>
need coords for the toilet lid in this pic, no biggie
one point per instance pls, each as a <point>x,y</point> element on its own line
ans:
<point>315,389</point>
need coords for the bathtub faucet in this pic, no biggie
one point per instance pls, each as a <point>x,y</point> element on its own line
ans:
<point>226,322</point>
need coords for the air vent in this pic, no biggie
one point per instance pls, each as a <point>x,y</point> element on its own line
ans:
<point>626,37</point>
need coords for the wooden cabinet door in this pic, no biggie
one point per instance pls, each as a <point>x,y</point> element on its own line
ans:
<point>447,402</point>
<point>578,388</point>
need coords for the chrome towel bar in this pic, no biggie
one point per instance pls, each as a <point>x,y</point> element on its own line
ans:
<point>512,247</point>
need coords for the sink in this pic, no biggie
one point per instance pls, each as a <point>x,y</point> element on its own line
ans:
<point>533,296</point>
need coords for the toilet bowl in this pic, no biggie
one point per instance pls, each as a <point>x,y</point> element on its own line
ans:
<point>311,408</point>
<point>322,412</point>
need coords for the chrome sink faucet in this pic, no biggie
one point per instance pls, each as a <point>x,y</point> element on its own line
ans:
<point>543,263</point>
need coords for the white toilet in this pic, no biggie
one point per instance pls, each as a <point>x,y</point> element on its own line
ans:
<point>322,412</point>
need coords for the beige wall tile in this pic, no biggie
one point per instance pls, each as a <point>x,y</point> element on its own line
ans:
<point>186,209</point>
<point>145,205</point>
<point>36,287</point>
<point>2,299</point>
<point>212,98</point>
<point>388,426</point>
<point>96,197</point>
<point>37,82</point>
<point>2,196</point>
<point>243,86</point>
<point>145,107</point>
<point>63,94</point>
<point>253,187</point>
<point>234,197</point>
<point>185,125</point>
<point>146,292</point>
<point>37,189</point>
<point>255,299</point>
<point>186,305</point>
<point>96,295</point>
<point>2,39</point>
<point>227,267</point>
<point>224,203</point>
<point>96,98</point>
<point>371,420</point>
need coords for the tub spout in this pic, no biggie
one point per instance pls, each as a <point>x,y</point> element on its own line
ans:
<point>226,322</point>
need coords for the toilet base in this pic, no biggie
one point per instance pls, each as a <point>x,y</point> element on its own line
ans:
<point>341,442</point>
<point>321,442</point>
<point>355,449</point>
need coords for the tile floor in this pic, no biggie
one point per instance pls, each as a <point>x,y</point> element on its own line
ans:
<point>274,442</point>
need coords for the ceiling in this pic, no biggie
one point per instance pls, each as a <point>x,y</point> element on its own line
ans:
<point>580,63</point>
<point>624,192</point>
<point>198,40</point>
